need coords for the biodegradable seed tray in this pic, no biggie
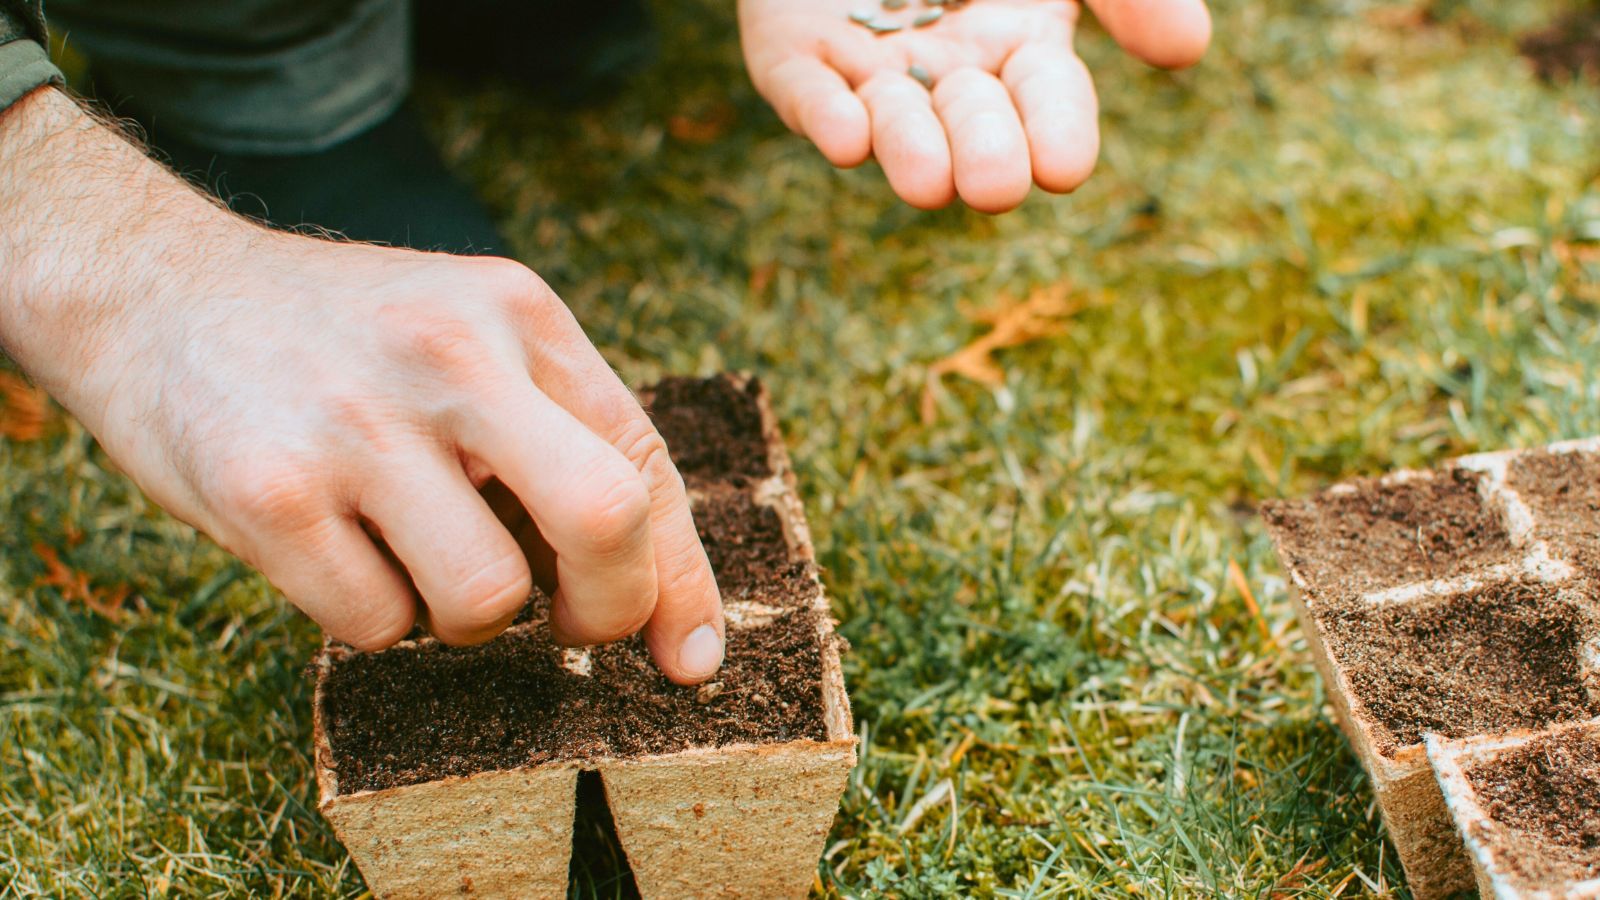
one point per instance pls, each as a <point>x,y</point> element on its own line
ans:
<point>1458,603</point>
<point>1528,806</point>
<point>451,771</point>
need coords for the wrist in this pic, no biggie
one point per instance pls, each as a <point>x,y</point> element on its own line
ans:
<point>95,232</point>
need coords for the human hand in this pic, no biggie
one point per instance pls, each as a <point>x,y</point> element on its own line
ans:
<point>1010,103</point>
<point>330,411</point>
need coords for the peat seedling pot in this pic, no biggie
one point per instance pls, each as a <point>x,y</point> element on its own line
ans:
<point>1446,603</point>
<point>451,771</point>
<point>1525,805</point>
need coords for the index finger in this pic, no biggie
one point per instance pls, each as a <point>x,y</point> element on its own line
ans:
<point>1053,93</point>
<point>685,633</point>
<point>815,100</point>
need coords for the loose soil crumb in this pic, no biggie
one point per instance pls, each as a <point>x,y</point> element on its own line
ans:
<point>1570,47</point>
<point>1492,659</point>
<point>416,714</point>
<point>1563,492</point>
<point>1548,793</point>
<point>712,429</point>
<point>1382,536</point>
<point>749,555</point>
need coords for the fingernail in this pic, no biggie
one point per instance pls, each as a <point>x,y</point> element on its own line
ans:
<point>701,654</point>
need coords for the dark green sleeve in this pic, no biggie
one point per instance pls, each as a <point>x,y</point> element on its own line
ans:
<point>24,64</point>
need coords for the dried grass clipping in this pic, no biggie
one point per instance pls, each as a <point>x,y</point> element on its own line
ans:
<point>75,586</point>
<point>24,409</point>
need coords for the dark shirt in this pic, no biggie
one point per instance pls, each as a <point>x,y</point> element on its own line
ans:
<point>24,64</point>
<point>21,19</point>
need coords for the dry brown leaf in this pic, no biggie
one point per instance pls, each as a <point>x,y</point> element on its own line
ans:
<point>24,409</point>
<point>1571,253</point>
<point>705,126</point>
<point>1012,323</point>
<point>75,586</point>
<point>1288,885</point>
<point>1419,15</point>
<point>761,278</point>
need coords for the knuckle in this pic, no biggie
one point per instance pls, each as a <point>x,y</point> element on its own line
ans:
<point>686,578</point>
<point>643,445</point>
<point>272,493</point>
<point>610,522</point>
<point>517,285</point>
<point>443,342</point>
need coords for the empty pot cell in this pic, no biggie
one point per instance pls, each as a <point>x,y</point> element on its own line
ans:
<point>1541,799</point>
<point>421,713</point>
<point>712,427</point>
<point>745,542</point>
<point>1562,490</point>
<point>1493,658</point>
<point>1370,535</point>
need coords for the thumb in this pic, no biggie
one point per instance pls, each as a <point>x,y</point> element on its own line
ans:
<point>1171,34</point>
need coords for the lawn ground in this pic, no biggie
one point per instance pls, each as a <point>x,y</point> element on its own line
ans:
<point>1356,237</point>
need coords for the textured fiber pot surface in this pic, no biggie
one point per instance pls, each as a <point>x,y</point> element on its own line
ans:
<point>1512,854</point>
<point>1445,606</point>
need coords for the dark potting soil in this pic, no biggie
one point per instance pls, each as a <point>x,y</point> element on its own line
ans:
<point>712,428</point>
<point>1548,792</point>
<point>415,714</point>
<point>1563,492</point>
<point>1503,656</point>
<point>1568,48</point>
<point>1382,536</point>
<point>745,543</point>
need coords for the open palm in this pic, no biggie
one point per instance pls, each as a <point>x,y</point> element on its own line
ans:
<point>1010,103</point>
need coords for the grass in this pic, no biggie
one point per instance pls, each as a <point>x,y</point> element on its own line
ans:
<point>1351,240</point>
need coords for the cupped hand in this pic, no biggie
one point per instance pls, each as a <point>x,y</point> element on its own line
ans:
<point>981,103</point>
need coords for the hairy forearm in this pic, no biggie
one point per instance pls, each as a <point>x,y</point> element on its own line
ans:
<point>92,231</point>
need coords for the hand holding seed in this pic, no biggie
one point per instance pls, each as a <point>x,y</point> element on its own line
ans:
<point>972,98</point>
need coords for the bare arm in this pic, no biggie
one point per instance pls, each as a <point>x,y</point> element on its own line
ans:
<point>297,398</point>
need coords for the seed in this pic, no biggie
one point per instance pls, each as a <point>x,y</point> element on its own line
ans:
<point>708,692</point>
<point>928,18</point>
<point>862,17</point>
<point>934,2</point>
<point>921,74</point>
<point>894,4</point>
<point>883,27</point>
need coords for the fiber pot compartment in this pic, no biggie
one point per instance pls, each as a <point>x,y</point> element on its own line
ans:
<point>1435,602</point>
<point>724,790</point>
<point>1524,804</point>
